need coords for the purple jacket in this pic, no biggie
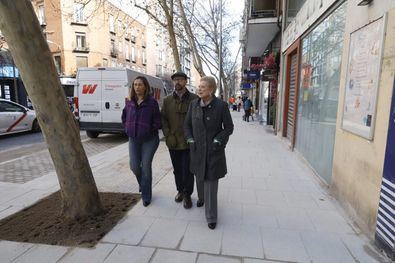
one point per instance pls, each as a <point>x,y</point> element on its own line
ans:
<point>141,121</point>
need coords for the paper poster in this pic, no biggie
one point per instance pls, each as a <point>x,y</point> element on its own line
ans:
<point>362,80</point>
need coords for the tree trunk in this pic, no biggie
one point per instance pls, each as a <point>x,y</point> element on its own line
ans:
<point>170,29</point>
<point>197,61</point>
<point>20,26</point>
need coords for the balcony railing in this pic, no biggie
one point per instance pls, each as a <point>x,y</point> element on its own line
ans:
<point>263,13</point>
<point>81,49</point>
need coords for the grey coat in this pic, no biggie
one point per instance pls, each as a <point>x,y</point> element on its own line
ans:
<point>204,125</point>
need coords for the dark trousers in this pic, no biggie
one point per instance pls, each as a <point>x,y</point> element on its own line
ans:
<point>140,160</point>
<point>183,177</point>
<point>208,192</point>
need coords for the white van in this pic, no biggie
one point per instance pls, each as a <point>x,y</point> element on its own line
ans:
<point>100,94</point>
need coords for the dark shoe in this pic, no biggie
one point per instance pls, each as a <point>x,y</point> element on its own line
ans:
<point>179,197</point>
<point>200,203</point>
<point>146,203</point>
<point>187,202</point>
<point>212,225</point>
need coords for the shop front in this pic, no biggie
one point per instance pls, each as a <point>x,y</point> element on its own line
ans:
<point>318,91</point>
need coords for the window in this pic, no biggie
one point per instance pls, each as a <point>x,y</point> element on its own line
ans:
<point>144,57</point>
<point>79,13</point>
<point>58,63</point>
<point>82,62</point>
<point>119,26</point>
<point>41,14</point>
<point>105,62</point>
<point>120,46</point>
<point>127,54</point>
<point>81,41</point>
<point>9,107</point>
<point>293,7</point>
<point>160,55</point>
<point>113,63</point>
<point>133,55</point>
<point>111,22</point>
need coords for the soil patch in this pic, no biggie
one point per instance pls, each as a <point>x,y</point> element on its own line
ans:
<point>42,222</point>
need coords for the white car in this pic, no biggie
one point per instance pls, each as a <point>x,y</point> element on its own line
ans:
<point>16,118</point>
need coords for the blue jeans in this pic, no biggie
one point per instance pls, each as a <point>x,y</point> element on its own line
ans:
<point>141,154</point>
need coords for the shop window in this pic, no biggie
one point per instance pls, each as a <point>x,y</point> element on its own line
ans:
<point>320,67</point>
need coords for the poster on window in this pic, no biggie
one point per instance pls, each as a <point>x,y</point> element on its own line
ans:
<point>363,74</point>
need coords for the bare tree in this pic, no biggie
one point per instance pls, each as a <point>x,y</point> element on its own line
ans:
<point>205,20</point>
<point>31,54</point>
<point>155,10</point>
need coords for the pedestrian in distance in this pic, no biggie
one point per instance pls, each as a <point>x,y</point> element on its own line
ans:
<point>141,121</point>
<point>247,109</point>
<point>173,112</point>
<point>208,125</point>
<point>239,103</point>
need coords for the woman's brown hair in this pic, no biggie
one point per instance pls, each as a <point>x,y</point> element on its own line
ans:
<point>132,93</point>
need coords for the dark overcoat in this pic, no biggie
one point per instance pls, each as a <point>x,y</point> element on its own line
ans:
<point>203,125</point>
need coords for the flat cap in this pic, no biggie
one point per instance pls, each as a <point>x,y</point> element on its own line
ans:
<point>179,74</point>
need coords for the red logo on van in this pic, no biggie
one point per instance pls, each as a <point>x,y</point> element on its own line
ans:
<point>88,89</point>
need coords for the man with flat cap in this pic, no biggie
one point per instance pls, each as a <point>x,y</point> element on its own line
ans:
<point>174,110</point>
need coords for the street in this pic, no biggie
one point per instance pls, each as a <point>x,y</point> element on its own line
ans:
<point>24,157</point>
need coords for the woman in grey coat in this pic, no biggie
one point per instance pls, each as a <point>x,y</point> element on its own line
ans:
<point>207,126</point>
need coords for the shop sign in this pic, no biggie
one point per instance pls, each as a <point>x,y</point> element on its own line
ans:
<point>253,74</point>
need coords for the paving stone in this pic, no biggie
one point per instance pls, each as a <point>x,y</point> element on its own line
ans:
<point>96,254</point>
<point>216,259</point>
<point>130,231</point>
<point>130,254</point>
<point>11,250</point>
<point>258,215</point>
<point>165,233</point>
<point>42,254</point>
<point>198,237</point>
<point>243,241</point>
<point>283,245</point>
<point>172,256</point>
<point>325,248</point>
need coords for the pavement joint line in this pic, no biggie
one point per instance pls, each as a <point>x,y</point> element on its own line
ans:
<point>25,156</point>
<point>22,157</point>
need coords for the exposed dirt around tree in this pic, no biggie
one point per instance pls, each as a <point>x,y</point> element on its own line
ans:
<point>42,222</point>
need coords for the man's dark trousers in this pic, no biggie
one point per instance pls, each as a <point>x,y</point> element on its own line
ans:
<point>183,177</point>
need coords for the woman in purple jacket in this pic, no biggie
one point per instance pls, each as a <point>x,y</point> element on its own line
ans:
<point>141,120</point>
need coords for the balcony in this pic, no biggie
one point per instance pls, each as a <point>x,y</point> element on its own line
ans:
<point>261,26</point>
<point>80,49</point>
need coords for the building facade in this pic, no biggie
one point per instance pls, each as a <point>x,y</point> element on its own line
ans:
<point>96,34</point>
<point>335,102</point>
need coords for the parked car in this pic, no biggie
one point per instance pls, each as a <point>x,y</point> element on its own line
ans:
<point>16,118</point>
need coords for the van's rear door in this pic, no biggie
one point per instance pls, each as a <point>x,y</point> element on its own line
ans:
<point>89,96</point>
<point>114,92</point>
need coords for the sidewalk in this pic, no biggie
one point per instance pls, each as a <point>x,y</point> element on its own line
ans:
<point>272,208</point>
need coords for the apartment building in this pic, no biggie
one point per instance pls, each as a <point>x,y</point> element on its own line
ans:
<point>91,34</point>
